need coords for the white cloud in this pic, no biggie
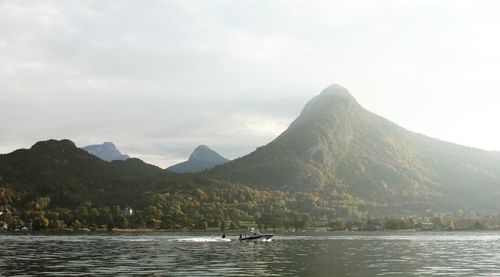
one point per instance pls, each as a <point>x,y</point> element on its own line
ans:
<point>160,77</point>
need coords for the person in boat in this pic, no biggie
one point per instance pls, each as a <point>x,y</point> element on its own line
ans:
<point>252,231</point>
<point>224,235</point>
<point>241,236</point>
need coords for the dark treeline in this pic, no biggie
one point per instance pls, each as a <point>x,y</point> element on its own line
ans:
<point>216,207</point>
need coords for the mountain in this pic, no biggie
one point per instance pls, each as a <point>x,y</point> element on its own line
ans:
<point>202,158</point>
<point>338,148</point>
<point>106,151</point>
<point>336,160</point>
<point>56,185</point>
<point>70,175</point>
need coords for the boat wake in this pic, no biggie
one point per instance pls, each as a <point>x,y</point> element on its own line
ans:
<point>202,239</point>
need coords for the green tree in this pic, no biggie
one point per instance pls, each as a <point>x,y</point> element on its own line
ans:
<point>339,224</point>
<point>42,203</point>
<point>223,225</point>
<point>57,224</point>
<point>82,214</point>
<point>40,222</point>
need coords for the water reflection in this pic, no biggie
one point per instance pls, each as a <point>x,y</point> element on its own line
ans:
<point>365,254</point>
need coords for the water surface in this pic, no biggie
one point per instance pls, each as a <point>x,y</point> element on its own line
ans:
<point>332,254</point>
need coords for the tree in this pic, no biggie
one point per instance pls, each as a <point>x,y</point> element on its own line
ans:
<point>152,212</point>
<point>339,224</point>
<point>93,216</point>
<point>40,222</point>
<point>124,223</point>
<point>42,203</point>
<point>154,224</point>
<point>223,225</point>
<point>77,225</point>
<point>450,224</point>
<point>257,215</point>
<point>234,225</point>
<point>66,215</point>
<point>478,225</point>
<point>82,214</point>
<point>57,224</point>
<point>438,221</point>
<point>393,224</point>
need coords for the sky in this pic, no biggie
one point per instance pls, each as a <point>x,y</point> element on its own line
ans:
<point>158,78</point>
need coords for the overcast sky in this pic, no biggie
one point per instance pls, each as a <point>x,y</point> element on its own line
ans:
<point>158,78</point>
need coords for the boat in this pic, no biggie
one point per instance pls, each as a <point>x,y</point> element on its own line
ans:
<point>255,236</point>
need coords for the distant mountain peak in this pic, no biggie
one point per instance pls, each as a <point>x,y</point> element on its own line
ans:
<point>204,153</point>
<point>202,158</point>
<point>336,90</point>
<point>106,151</point>
<point>201,146</point>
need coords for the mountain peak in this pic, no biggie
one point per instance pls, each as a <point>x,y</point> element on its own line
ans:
<point>333,101</point>
<point>335,93</point>
<point>52,144</point>
<point>106,151</point>
<point>335,90</point>
<point>202,158</point>
<point>205,154</point>
<point>201,148</point>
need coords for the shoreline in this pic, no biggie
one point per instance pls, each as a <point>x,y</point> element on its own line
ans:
<point>227,232</point>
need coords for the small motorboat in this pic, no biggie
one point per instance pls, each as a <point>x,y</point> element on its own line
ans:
<point>257,237</point>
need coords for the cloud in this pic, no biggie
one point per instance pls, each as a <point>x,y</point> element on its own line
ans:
<point>159,77</point>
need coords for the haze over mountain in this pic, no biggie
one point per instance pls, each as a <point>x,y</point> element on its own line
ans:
<point>338,147</point>
<point>202,158</point>
<point>106,151</point>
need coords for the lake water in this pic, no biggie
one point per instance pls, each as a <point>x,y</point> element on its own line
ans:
<point>332,254</point>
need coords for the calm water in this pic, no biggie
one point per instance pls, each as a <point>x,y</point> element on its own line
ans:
<point>339,254</point>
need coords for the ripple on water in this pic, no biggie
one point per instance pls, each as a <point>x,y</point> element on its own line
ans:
<point>451,254</point>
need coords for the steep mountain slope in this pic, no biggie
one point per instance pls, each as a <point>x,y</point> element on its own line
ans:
<point>337,147</point>
<point>202,158</point>
<point>106,151</point>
